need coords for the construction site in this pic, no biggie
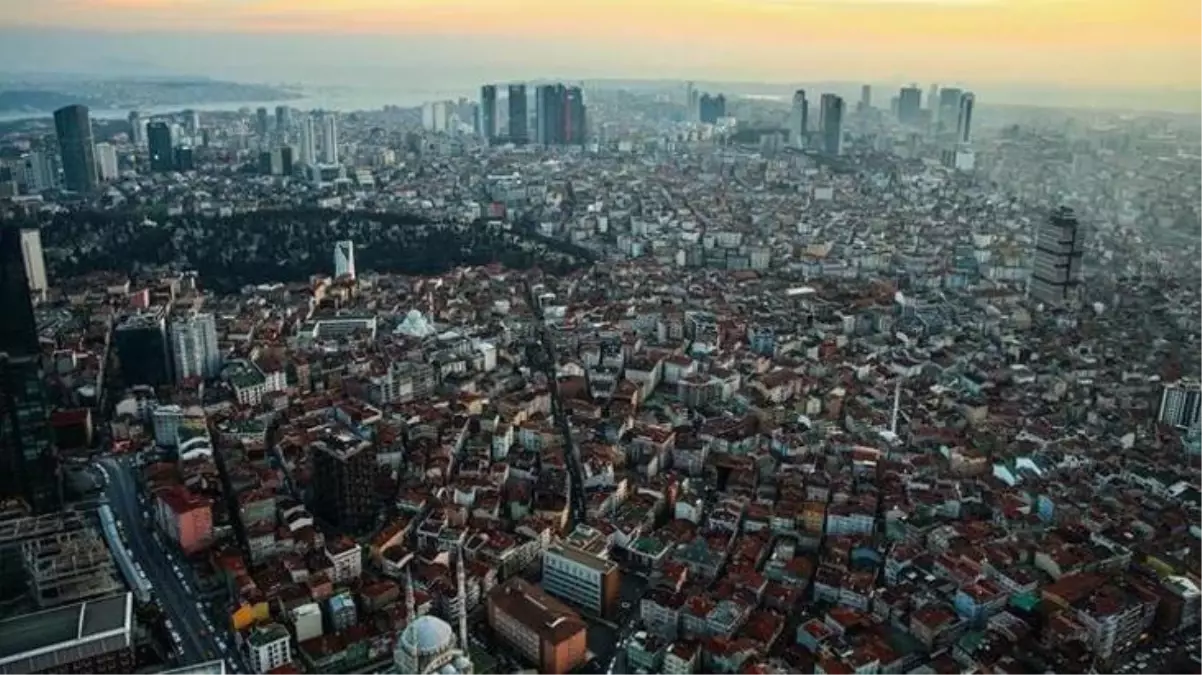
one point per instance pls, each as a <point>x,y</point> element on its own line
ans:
<point>51,560</point>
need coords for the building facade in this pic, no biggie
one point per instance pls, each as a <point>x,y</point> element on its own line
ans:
<point>582,579</point>
<point>162,154</point>
<point>488,112</point>
<point>194,347</point>
<point>542,629</point>
<point>518,131</point>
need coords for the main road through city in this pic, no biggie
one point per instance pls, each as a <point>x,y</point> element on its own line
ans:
<point>177,602</point>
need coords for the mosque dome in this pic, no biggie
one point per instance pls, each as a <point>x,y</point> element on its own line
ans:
<point>416,325</point>
<point>427,635</point>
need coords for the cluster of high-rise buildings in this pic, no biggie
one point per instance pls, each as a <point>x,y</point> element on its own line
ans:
<point>558,117</point>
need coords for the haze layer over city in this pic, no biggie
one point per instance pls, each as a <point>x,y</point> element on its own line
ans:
<point>603,336</point>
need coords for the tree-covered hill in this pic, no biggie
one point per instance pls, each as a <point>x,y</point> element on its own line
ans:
<point>288,245</point>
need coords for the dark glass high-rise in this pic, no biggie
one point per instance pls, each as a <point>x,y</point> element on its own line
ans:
<point>73,127</point>
<point>28,462</point>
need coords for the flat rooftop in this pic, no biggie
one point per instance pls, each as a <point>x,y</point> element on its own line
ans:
<point>47,631</point>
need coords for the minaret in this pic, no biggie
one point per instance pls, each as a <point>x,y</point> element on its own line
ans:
<point>463,643</point>
<point>410,603</point>
<point>896,407</point>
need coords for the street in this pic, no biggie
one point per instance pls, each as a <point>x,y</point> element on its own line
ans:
<point>178,603</point>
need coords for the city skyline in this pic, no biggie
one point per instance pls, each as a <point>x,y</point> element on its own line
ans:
<point>1103,44</point>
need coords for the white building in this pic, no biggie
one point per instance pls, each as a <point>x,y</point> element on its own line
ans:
<point>344,259</point>
<point>329,139</point>
<point>306,621</point>
<point>106,161</point>
<point>35,262</point>
<point>1181,404</point>
<point>268,648</point>
<point>347,558</point>
<point>580,578</point>
<point>194,347</point>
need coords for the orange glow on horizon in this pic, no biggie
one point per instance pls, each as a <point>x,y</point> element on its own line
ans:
<point>1154,42</point>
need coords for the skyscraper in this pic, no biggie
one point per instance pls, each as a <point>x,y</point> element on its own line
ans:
<point>488,112</point>
<point>283,118</point>
<point>865,98</point>
<point>909,105</point>
<point>799,119</point>
<point>162,155</point>
<point>192,122</point>
<point>518,133</point>
<point>141,345</point>
<point>194,347</point>
<point>329,139</point>
<point>576,117</point>
<point>28,464</point>
<point>137,129</point>
<point>74,130</point>
<point>831,123</point>
<point>262,122</point>
<point>549,114</point>
<point>1056,268</point>
<point>344,259</point>
<point>308,141</point>
<point>946,113</point>
<point>964,118</point>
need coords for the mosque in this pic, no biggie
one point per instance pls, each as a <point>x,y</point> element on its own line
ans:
<point>428,645</point>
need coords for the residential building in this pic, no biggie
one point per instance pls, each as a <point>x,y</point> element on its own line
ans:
<point>268,647</point>
<point>186,518</point>
<point>1181,404</point>
<point>194,347</point>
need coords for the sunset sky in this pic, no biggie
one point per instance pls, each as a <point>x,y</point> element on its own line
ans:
<point>1094,43</point>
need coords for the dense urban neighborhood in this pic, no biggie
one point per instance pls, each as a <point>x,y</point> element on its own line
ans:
<point>602,381</point>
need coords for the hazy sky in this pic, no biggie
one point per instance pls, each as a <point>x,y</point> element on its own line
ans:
<point>1088,43</point>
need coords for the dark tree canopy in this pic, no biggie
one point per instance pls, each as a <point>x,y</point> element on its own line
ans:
<point>290,245</point>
